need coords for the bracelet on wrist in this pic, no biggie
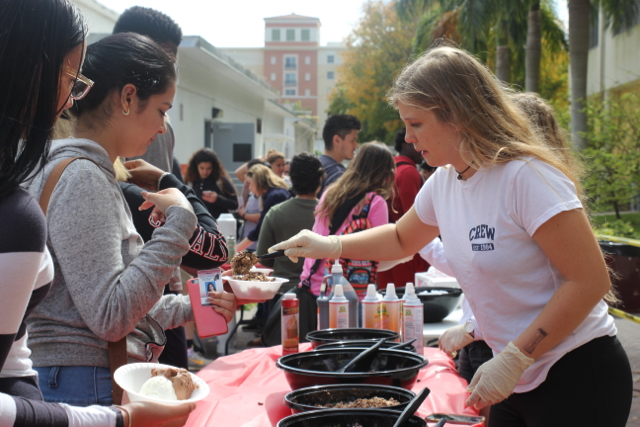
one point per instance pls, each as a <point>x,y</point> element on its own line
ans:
<point>126,415</point>
<point>160,179</point>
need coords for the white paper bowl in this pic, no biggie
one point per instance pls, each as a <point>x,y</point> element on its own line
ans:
<point>265,271</point>
<point>131,378</point>
<point>258,291</point>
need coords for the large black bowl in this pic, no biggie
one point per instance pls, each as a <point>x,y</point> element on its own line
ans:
<point>390,367</point>
<point>349,417</point>
<point>363,343</point>
<point>324,336</point>
<point>438,305</point>
<point>315,398</point>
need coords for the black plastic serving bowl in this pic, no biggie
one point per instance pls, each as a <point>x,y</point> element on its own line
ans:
<point>363,343</point>
<point>315,398</point>
<point>325,336</point>
<point>390,367</point>
<point>436,306</point>
<point>349,417</point>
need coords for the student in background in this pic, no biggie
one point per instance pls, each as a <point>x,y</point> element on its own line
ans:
<point>340,134</point>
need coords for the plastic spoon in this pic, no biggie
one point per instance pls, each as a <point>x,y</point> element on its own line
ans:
<point>368,355</point>
<point>412,407</point>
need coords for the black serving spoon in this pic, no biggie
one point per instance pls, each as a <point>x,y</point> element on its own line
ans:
<point>402,345</point>
<point>363,359</point>
<point>271,255</point>
<point>412,407</point>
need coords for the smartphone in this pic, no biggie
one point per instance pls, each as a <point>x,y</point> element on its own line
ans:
<point>208,321</point>
<point>455,419</point>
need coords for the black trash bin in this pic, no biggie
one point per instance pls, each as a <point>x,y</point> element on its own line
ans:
<point>624,260</point>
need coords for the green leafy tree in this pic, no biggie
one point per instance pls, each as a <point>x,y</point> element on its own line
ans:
<point>376,50</point>
<point>612,155</point>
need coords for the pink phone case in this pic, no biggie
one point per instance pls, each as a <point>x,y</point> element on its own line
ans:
<point>208,321</point>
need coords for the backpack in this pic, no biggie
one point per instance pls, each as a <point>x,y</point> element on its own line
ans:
<point>360,273</point>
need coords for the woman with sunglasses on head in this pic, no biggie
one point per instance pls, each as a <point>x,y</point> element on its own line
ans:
<point>43,44</point>
<point>518,241</point>
<point>107,286</point>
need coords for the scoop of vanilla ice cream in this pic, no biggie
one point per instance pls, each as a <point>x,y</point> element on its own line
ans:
<point>159,387</point>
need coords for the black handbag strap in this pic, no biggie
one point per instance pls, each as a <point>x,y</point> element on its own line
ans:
<point>337,220</point>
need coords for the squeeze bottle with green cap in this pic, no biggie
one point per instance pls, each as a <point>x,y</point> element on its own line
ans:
<point>412,318</point>
<point>338,309</point>
<point>391,310</point>
<point>371,309</point>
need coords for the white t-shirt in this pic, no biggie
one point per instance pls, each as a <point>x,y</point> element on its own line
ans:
<point>487,223</point>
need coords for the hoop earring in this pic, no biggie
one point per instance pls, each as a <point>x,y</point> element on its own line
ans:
<point>127,113</point>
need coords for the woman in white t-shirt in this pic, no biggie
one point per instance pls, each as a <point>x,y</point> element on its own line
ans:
<point>518,241</point>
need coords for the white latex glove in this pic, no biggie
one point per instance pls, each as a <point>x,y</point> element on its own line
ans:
<point>310,245</point>
<point>388,265</point>
<point>453,339</point>
<point>495,380</point>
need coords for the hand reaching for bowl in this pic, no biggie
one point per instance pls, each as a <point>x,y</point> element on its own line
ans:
<point>310,245</point>
<point>163,200</point>
<point>151,414</point>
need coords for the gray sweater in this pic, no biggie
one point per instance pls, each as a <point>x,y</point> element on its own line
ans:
<point>106,281</point>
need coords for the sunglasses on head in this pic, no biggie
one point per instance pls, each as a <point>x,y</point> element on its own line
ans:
<point>81,85</point>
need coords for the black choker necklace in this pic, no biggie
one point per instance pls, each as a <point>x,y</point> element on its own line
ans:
<point>460,173</point>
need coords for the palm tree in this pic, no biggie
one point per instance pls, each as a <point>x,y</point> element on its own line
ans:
<point>617,13</point>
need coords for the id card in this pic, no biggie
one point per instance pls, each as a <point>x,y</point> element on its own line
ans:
<point>210,281</point>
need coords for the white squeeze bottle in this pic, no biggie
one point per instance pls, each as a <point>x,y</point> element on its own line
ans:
<point>338,309</point>
<point>402,300</point>
<point>371,309</point>
<point>391,310</point>
<point>338,279</point>
<point>412,318</point>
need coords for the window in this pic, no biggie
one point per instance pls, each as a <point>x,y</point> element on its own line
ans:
<point>330,75</point>
<point>290,79</point>
<point>273,77</point>
<point>258,126</point>
<point>290,92</point>
<point>307,92</point>
<point>305,35</point>
<point>273,60</point>
<point>330,59</point>
<point>307,77</point>
<point>291,35</point>
<point>290,62</point>
<point>242,153</point>
<point>275,35</point>
<point>307,60</point>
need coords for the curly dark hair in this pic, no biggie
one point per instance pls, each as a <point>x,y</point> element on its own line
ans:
<point>151,23</point>
<point>338,124</point>
<point>201,156</point>
<point>306,174</point>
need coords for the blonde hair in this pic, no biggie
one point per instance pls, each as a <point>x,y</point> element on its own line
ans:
<point>463,92</point>
<point>122,174</point>
<point>273,155</point>
<point>264,178</point>
<point>371,170</point>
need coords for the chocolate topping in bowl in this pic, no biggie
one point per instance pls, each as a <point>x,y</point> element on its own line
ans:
<point>180,378</point>
<point>242,262</point>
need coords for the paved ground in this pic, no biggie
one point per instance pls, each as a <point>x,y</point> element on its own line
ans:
<point>628,334</point>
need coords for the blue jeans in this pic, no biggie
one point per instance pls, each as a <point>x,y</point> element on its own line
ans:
<point>76,385</point>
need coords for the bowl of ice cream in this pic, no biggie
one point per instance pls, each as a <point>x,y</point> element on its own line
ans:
<point>349,417</point>
<point>342,396</point>
<point>154,382</point>
<point>396,368</point>
<point>255,289</point>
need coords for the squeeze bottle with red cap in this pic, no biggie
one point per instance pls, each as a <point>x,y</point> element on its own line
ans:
<point>290,327</point>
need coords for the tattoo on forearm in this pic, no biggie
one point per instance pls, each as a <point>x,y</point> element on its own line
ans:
<point>533,343</point>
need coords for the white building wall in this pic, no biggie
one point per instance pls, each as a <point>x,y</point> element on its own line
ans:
<point>99,18</point>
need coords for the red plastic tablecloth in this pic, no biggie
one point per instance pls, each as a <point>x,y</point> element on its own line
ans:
<point>247,389</point>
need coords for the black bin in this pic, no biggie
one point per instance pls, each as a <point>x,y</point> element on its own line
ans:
<point>624,260</point>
